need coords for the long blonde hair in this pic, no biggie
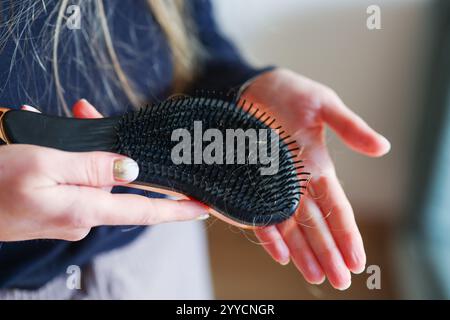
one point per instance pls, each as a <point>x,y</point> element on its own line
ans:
<point>173,17</point>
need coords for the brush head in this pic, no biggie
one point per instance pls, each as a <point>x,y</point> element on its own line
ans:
<point>237,183</point>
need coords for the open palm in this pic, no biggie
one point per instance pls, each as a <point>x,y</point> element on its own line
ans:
<point>322,238</point>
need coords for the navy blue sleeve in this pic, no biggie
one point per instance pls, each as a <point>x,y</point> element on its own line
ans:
<point>223,67</point>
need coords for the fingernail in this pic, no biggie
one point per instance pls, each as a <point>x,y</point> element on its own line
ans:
<point>387,144</point>
<point>321,280</point>
<point>203,217</point>
<point>125,169</point>
<point>345,279</point>
<point>85,101</point>
<point>283,252</point>
<point>284,262</point>
<point>316,273</point>
<point>357,259</point>
<point>339,274</point>
<point>345,287</point>
<point>359,271</point>
<point>29,108</point>
<point>318,282</point>
<point>88,104</point>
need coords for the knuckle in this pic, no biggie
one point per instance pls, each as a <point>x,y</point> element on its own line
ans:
<point>74,215</point>
<point>35,163</point>
<point>72,220</point>
<point>151,215</point>
<point>31,168</point>
<point>18,188</point>
<point>92,168</point>
<point>80,221</point>
<point>327,253</point>
<point>347,238</point>
<point>150,218</point>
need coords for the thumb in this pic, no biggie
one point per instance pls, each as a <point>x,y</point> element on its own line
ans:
<point>94,169</point>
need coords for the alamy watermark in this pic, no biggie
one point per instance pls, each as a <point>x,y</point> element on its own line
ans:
<point>239,146</point>
<point>373,21</point>
<point>374,280</point>
<point>73,21</point>
<point>73,281</point>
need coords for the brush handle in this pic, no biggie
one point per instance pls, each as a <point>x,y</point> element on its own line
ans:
<point>67,134</point>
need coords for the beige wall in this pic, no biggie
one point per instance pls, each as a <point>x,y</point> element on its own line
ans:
<point>379,74</point>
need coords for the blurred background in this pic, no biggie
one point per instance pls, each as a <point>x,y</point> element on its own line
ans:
<point>397,79</point>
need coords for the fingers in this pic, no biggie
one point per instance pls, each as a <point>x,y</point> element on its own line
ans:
<point>273,243</point>
<point>301,253</point>
<point>323,245</point>
<point>96,207</point>
<point>338,213</point>
<point>355,132</point>
<point>83,109</point>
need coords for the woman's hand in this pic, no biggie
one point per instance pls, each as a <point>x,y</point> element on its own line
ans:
<point>52,194</point>
<point>322,238</point>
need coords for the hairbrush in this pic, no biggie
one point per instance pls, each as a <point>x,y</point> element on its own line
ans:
<point>235,191</point>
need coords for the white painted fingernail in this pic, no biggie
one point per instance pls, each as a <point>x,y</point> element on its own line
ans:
<point>359,271</point>
<point>284,262</point>
<point>203,217</point>
<point>87,102</point>
<point>387,144</point>
<point>322,280</point>
<point>283,251</point>
<point>345,287</point>
<point>125,169</point>
<point>29,108</point>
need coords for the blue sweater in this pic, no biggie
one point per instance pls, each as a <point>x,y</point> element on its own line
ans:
<point>144,54</point>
